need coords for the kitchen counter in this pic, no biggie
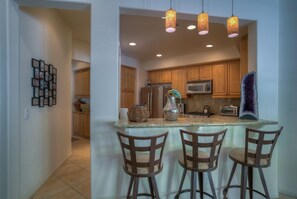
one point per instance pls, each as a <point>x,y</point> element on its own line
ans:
<point>188,122</point>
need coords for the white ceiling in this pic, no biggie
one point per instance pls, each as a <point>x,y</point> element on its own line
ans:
<point>149,34</point>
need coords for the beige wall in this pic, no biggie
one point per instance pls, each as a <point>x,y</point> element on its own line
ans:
<point>45,135</point>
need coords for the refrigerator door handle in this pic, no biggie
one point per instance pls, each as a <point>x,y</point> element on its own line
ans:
<point>151,103</point>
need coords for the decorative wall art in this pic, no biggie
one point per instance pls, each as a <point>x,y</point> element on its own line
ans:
<point>44,83</point>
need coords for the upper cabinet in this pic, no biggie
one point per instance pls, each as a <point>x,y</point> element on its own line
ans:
<point>159,76</point>
<point>82,82</point>
<point>226,80</point>
<point>128,84</point>
<point>196,73</point>
<point>179,81</point>
<point>243,56</point>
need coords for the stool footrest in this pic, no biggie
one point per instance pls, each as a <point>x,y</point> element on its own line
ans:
<point>189,190</point>
<point>238,186</point>
<point>143,194</point>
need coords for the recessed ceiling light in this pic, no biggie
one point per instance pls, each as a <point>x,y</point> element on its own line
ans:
<point>132,44</point>
<point>158,55</point>
<point>191,27</point>
<point>209,45</point>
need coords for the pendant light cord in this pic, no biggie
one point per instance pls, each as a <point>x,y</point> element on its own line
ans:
<point>202,6</point>
<point>170,4</point>
<point>232,8</point>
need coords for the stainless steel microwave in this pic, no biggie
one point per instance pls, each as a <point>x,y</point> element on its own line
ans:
<point>199,87</point>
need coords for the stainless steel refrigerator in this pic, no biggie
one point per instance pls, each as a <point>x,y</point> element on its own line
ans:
<point>154,97</point>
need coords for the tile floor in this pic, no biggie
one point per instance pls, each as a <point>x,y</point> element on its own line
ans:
<point>72,179</point>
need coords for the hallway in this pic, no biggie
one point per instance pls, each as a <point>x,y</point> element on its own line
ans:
<point>72,179</point>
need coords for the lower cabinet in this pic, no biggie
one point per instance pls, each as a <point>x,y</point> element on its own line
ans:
<point>81,124</point>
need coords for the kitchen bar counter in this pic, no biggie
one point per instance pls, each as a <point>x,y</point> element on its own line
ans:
<point>169,179</point>
<point>188,122</point>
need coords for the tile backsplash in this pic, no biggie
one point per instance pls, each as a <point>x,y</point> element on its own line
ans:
<point>197,102</point>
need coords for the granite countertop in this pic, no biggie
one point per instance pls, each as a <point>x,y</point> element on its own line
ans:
<point>186,122</point>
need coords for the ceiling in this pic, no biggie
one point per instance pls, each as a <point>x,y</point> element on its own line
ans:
<point>149,34</point>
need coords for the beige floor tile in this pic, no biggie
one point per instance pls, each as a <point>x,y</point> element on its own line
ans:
<point>284,196</point>
<point>68,194</point>
<point>76,177</point>
<point>66,169</point>
<point>84,188</point>
<point>52,186</point>
<point>83,162</point>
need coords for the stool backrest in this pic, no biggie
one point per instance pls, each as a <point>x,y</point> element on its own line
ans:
<point>209,143</point>
<point>142,153</point>
<point>259,145</point>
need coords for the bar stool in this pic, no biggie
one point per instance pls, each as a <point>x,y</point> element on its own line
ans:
<point>142,158</point>
<point>257,153</point>
<point>200,154</point>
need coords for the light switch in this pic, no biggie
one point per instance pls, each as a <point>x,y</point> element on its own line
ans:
<point>27,113</point>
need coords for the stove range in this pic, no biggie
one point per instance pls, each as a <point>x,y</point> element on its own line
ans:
<point>197,114</point>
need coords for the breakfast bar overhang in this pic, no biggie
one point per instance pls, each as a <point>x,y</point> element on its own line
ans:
<point>116,181</point>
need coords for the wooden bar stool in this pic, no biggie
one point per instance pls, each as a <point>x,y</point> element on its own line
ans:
<point>142,158</point>
<point>257,153</point>
<point>200,154</point>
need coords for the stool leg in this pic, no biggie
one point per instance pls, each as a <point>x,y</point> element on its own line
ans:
<point>151,186</point>
<point>193,185</point>
<point>243,181</point>
<point>250,179</point>
<point>264,183</point>
<point>200,178</point>
<point>155,187</point>
<point>181,184</point>
<point>230,179</point>
<point>130,187</point>
<point>212,185</point>
<point>135,188</point>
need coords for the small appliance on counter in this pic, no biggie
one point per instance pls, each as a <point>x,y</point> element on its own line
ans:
<point>229,110</point>
<point>206,113</point>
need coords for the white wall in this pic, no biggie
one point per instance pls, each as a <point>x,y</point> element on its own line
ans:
<point>288,97</point>
<point>81,50</point>
<point>45,137</point>
<point>3,102</point>
<point>194,58</point>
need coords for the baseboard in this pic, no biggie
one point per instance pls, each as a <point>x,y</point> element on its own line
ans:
<point>290,192</point>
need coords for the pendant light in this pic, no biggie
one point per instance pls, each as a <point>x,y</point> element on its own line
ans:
<point>232,25</point>
<point>170,19</point>
<point>202,21</point>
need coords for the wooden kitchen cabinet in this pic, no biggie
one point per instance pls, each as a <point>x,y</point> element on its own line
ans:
<point>234,79</point>
<point>82,82</point>
<point>193,73</point>
<point>159,76</point>
<point>81,124</point>
<point>128,84</point>
<point>243,56</point>
<point>226,80</point>
<point>179,81</point>
<point>196,73</point>
<point>205,72</point>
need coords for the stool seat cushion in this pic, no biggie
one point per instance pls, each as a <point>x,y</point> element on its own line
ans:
<point>201,166</point>
<point>143,158</point>
<point>238,156</point>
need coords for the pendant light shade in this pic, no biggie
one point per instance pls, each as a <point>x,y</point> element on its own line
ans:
<point>232,26</point>
<point>202,23</point>
<point>170,21</point>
